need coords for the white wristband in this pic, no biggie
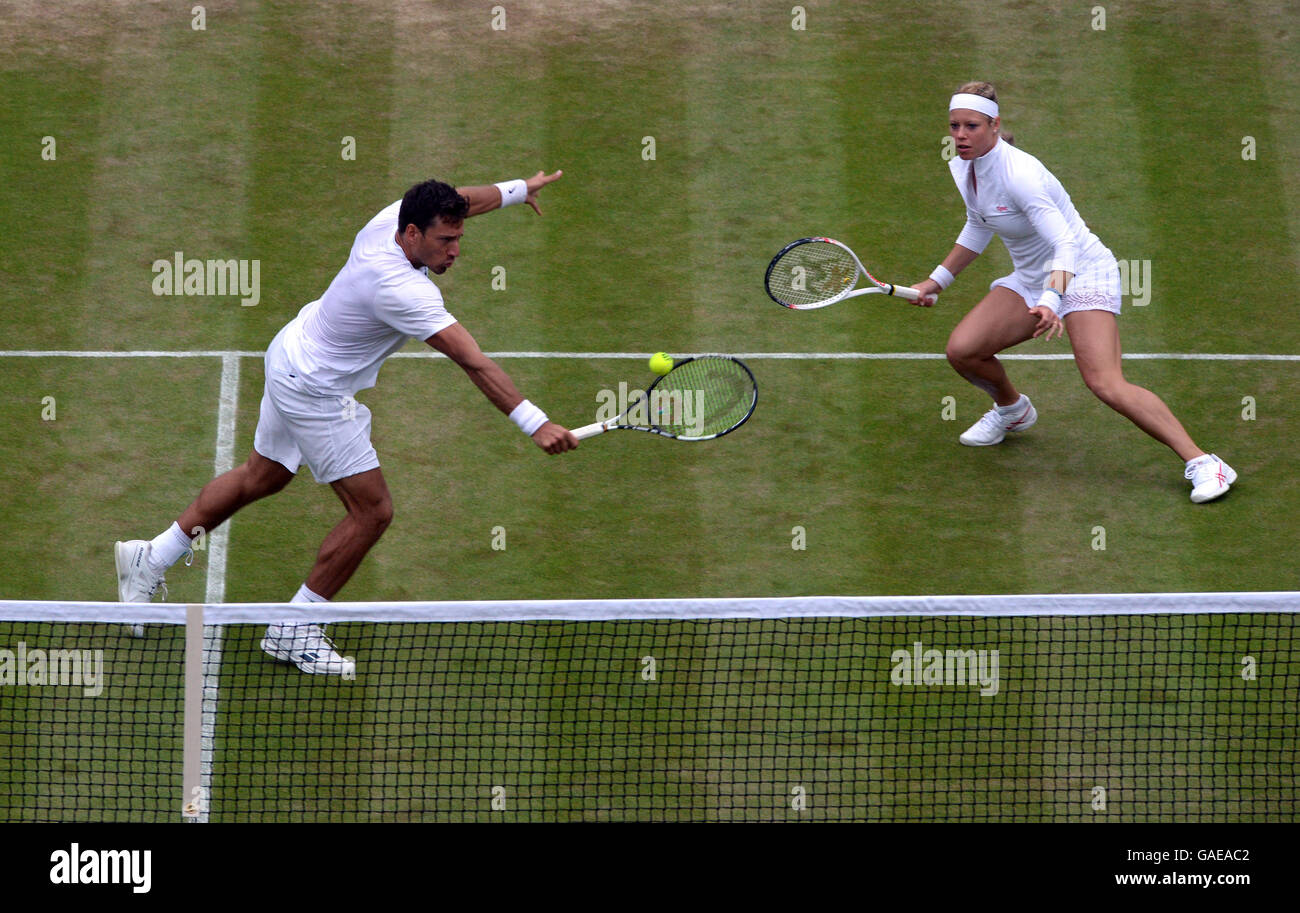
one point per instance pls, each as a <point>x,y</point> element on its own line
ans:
<point>528,417</point>
<point>942,276</point>
<point>512,192</point>
<point>1050,299</point>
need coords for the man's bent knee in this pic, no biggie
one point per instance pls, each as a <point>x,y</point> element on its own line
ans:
<point>265,477</point>
<point>374,518</point>
<point>374,512</point>
<point>382,515</point>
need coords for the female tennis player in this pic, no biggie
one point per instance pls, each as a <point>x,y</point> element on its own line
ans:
<point>1063,273</point>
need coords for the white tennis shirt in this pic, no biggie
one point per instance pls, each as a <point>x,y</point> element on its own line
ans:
<point>375,304</point>
<point>1024,204</point>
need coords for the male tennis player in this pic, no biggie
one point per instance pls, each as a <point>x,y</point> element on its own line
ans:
<point>1062,272</point>
<point>315,365</point>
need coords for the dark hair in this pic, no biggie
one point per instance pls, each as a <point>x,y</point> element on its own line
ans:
<point>430,200</point>
<point>986,90</point>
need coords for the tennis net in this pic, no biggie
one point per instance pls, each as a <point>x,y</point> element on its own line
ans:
<point>1145,707</point>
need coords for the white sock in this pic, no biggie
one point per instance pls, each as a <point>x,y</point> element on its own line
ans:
<point>1013,407</point>
<point>306,595</point>
<point>1200,459</point>
<point>168,548</point>
<point>303,595</point>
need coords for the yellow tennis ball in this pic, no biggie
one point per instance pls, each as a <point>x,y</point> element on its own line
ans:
<point>661,363</point>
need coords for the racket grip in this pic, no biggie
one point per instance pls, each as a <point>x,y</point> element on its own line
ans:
<point>587,431</point>
<point>904,291</point>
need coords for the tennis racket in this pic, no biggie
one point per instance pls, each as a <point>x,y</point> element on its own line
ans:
<point>699,399</point>
<point>814,272</point>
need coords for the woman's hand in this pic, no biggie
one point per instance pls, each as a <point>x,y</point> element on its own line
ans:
<point>1048,322</point>
<point>929,290</point>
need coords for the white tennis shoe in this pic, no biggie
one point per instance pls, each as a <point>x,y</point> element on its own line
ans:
<point>136,581</point>
<point>307,647</point>
<point>1211,477</point>
<point>994,425</point>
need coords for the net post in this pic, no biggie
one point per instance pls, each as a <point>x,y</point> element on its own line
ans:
<point>194,807</point>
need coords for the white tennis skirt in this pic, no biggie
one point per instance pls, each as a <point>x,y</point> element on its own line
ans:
<point>1096,287</point>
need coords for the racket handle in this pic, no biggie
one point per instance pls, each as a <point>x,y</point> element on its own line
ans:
<point>587,431</point>
<point>904,291</point>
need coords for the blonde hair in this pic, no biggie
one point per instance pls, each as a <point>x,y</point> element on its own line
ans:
<point>986,90</point>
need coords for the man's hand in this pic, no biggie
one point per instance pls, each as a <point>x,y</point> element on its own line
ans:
<point>1048,322</point>
<point>536,183</point>
<point>554,439</point>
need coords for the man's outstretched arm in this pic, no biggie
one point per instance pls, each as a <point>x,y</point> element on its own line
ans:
<point>487,197</point>
<point>457,344</point>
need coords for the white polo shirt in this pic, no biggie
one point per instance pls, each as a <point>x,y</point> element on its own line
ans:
<point>377,302</point>
<point>1023,203</point>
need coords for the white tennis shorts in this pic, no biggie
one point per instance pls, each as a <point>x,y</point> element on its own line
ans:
<point>330,433</point>
<point>1095,287</point>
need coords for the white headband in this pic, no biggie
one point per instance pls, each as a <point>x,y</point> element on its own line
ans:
<point>974,103</point>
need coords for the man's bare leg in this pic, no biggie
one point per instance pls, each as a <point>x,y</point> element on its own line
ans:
<point>142,564</point>
<point>253,480</point>
<point>370,510</point>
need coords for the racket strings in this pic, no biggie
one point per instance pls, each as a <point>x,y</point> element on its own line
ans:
<point>702,397</point>
<point>810,273</point>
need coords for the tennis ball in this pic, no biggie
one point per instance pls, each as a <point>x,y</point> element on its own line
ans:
<point>661,363</point>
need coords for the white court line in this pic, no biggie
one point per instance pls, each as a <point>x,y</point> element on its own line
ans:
<point>753,356</point>
<point>218,541</point>
<point>223,462</point>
